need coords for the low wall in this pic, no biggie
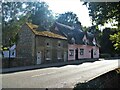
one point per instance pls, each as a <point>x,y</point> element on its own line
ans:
<point>16,62</point>
<point>108,80</point>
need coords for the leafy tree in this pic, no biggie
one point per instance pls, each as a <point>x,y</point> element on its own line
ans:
<point>106,43</point>
<point>11,21</point>
<point>104,12</point>
<point>68,18</point>
<point>42,16</point>
<point>14,14</point>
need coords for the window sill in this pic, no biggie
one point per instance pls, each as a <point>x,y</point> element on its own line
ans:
<point>48,58</point>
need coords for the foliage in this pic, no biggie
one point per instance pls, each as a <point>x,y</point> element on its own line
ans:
<point>106,43</point>
<point>116,39</point>
<point>14,14</point>
<point>68,18</point>
<point>104,12</point>
<point>42,16</point>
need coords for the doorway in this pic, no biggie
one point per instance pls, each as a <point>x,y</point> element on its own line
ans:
<point>91,53</point>
<point>65,56</point>
<point>76,54</point>
<point>39,57</point>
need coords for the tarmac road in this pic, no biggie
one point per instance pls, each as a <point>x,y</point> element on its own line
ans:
<point>58,77</point>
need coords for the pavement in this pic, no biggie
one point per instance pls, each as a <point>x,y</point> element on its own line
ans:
<point>66,76</point>
<point>24,68</point>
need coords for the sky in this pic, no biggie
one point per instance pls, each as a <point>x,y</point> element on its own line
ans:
<point>61,6</point>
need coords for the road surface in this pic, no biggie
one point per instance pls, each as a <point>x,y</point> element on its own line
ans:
<point>58,77</point>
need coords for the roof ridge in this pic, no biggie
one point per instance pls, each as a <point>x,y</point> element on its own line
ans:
<point>67,26</point>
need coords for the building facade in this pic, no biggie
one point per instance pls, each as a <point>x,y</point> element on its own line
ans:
<point>81,45</point>
<point>40,47</point>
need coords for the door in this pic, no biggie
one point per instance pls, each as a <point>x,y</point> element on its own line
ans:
<point>91,53</point>
<point>76,54</point>
<point>39,57</point>
<point>65,56</point>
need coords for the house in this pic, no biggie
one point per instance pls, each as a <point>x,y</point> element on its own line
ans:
<point>39,47</point>
<point>11,53</point>
<point>81,44</point>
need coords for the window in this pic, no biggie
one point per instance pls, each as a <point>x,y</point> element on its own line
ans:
<point>94,42</point>
<point>71,52</point>
<point>59,54</point>
<point>85,41</point>
<point>13,53</point>
<point>95,52</point>
<point>73,40</point>
<point>48,55</point>
<point>59,44</point>
<point>81,51</point>
<point>47,42</point>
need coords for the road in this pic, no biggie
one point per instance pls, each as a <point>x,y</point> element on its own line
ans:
<point>58,77</point>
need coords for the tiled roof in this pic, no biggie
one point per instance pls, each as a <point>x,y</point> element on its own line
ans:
<point>44,33</point>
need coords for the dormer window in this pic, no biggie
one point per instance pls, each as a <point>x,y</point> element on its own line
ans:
<point>73,40</point>
<point>59,44</point>
<point>94,42</point>
<point>85,42</point>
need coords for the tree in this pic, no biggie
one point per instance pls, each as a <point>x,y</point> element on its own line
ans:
<point>11,21</point>
<point>42,16</point>
<point>14,14</point>
<point>104,12</point>
<point>68,18</point>
<point>106,43</point>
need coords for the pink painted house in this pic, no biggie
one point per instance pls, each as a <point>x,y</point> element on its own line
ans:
<point>81,45</point>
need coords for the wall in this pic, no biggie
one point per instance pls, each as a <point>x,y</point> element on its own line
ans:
<point>41,45</point>
<point>16,62</point>
<point>95,52</point>
<point>25,45</point>
<point>71,47</point>
<point>105,81</point>
<point>87,51</point>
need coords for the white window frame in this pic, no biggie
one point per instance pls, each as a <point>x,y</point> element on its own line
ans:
<point>81,51</point>
<point>71,52</point>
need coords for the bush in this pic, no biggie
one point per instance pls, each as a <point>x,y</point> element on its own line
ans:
<point>105,55</point>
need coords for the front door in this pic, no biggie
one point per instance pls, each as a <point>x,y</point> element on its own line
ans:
<point>39,57</point>
<point>76,54</point>
<point>65,56</point>
<point>91,53</point>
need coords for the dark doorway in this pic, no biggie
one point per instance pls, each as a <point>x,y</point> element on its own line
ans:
<point>91,53</point>
<point>76,54</point>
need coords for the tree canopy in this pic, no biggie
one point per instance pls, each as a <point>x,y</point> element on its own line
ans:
<point>105,12</point>
<point>42,16</point>
<point>68,18</point>
<point>14,14</point>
